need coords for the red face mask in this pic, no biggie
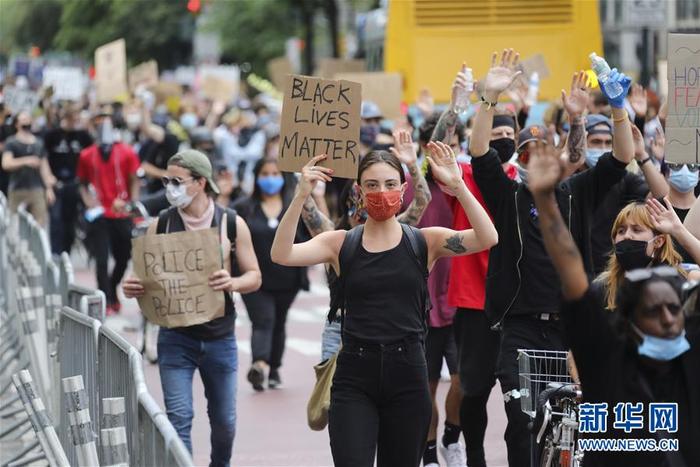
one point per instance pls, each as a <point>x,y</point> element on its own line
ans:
<point>381,205</point>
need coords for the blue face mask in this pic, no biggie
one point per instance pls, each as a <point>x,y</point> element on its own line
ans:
<point>661,349</point>
<point>271,185</point>
<point>683,180</point>
<point>592,156</point>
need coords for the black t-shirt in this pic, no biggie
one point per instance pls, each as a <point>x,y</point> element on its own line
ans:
<point>63,148</point>
<point>275,277</point>
<point>682,213</point>
<point>25,178</point>
<point>158,154</point>
<point>539,287</point>
<point>611,371</point>
<point>630,189</point>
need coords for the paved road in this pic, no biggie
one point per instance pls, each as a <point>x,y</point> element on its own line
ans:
<point>271,427</point>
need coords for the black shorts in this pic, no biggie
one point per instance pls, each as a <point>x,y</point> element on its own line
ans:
<point>478,351</point>
<point>440,343</point>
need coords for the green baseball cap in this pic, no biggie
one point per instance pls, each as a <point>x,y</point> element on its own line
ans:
<point>197,163</point>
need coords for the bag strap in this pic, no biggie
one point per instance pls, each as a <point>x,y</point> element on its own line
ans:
<point>164,219</point>
<point>419,247</point>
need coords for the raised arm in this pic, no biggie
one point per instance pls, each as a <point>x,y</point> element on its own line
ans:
<point>666,221</point>
<point>499,78</point>
<point>445,127</point>
<point>545,170</point>
<point>692,219</point>
<point>251,278</point>
<point>658,186</point>
<point>315,221</point>
<point>403,149</point>
<point>447,242</point>
<point>575,104</point>
<point>324,247</point>
<point>623,145</point>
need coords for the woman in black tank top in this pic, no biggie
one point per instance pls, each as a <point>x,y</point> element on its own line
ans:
<point>380,402</point>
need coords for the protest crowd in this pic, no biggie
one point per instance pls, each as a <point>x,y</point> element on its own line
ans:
<point>459,234</point>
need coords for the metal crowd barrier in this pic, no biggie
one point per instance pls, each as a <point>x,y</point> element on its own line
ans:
<point>52,327</point>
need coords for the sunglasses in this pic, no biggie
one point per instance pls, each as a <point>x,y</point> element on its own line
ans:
<point>640,275</point>
<point>693,167</point>
<point>174,181</point>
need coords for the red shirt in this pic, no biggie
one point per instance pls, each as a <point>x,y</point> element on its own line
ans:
<point>111,178</point>
<point>467,286</point>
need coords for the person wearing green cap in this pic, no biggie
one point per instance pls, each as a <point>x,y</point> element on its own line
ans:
<point>209,347</point>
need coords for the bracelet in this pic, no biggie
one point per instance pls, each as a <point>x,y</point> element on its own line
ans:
<point>621,119</point>
<point>644,161</point>
<point>488,104</point>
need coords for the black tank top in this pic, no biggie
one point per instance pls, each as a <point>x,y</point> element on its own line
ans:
<point>384,296</point>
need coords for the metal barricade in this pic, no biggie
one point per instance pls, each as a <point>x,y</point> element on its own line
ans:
<point>77,355</point>
<point>65,277</point>
<point>116,362</point>
<point>76,293</point>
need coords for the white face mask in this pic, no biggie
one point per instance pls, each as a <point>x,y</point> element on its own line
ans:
<point>177,196</point>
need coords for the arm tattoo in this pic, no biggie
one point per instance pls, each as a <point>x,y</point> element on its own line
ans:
<point>421,198</point>
<point>576,142</point>
<point>454,244</point>
<point>445,128</point>
<point>314,219</point>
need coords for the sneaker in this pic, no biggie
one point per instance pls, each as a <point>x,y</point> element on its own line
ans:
<point>454,454</point>
<point>256,377</point>
<point>273,380</point>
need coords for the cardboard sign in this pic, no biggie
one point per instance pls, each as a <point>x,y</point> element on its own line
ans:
<point>320,116</point>
<point>278,69</point>
<point>68,82</point>
<point>174,270</point>
<point>19,99</point>
<point>536,63</point>
<point>683,121</point>
<point>143,74</point>
<point>219,89</point>
<point>110,71</point>
<point>384,89</point>
<point>329,67</point>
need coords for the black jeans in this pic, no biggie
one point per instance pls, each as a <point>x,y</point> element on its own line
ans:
<point>64,217</point>
<point>522,332</point>
<point>111,236</point>
<point>380,402</point>
<point>477,347</point>
<point>268,314</point>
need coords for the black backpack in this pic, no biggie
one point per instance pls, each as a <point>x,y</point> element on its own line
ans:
<point>348,252</point>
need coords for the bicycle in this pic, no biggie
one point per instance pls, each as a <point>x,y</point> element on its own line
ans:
<point>551,398</point>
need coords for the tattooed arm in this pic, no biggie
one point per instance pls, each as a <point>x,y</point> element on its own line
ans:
<point>445,127</point>
<point>576,140</point>
<point>314,220</point>
<point>421,197</point>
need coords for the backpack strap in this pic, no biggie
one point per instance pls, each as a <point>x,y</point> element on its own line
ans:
<point>420,253</point>
<point>164,220</point>
<point>351,243</point>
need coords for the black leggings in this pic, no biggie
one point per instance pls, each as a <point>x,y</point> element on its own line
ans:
<point>268,314</point>
<point>111,236</point>
<point>380,402</point>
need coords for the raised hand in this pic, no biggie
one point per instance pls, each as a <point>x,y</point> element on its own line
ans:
<point>403,147</point>
<point>545,168</point>
<point>658,145</point>
<point>501,75</point>
<point>625,82</point>
<point>577,100</point>
<point>664,218</point>
<point>443,164</point>
<point>639,149</point>
<point>460,83</point>
<point>425,102</point>
<point>311,174</point>
<point>638,100</point>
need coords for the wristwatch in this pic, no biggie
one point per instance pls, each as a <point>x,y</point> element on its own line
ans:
<point>644,161</point>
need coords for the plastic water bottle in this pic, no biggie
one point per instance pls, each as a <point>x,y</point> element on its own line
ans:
<point>601,68</point>
<point>462,98</point>
<point>533,89</point>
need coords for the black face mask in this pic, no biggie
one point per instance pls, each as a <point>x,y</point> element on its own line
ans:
<point>505,148</point>
<point>632,254</point>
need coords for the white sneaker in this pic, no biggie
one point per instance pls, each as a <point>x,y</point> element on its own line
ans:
<point>454,454</point>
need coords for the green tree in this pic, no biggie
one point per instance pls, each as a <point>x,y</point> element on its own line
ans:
<point>153,29</point>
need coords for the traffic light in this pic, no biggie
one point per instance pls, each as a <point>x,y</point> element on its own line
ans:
<point>194,6</point>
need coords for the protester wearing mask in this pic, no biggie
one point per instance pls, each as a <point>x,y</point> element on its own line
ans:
<point>682,181</point>
<point>648,353</point>
<point>268,307</point>
<point>31,181</point>
<point>643,235</point>
<point>107,173</point>
<point>477,343</point>
<point>63,145</point>
<point>354,213</point>
<point>633,187</point>
<point>241,144</point>
<point>522,296</point>
<point>380,400</point>
<point>209,347</point>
